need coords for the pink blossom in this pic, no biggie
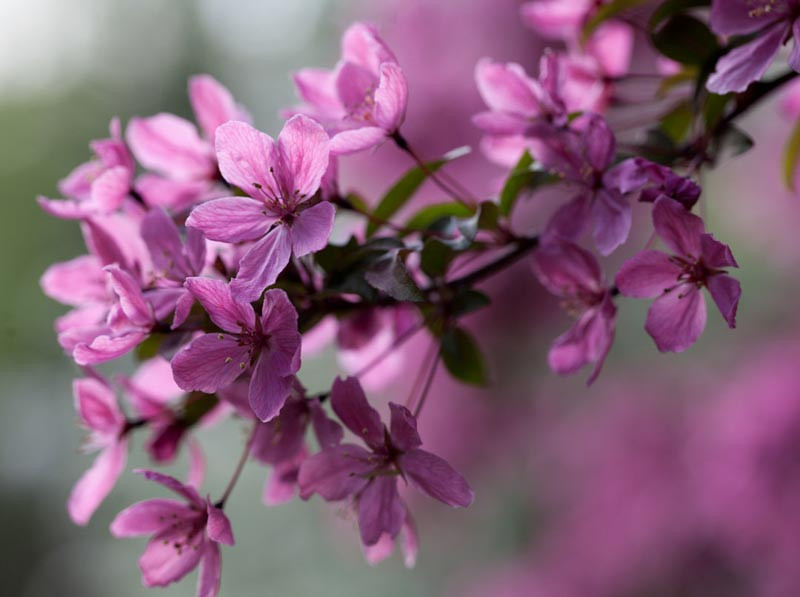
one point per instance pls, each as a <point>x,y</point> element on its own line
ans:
<point>280,179</point>
<point>98,186</point>
<point>652,180</point>
<point>572,273</point>
<point>185,534</point>
<point>98,410</point>
<point>363,99</point>
<point>773,24</point>
<point>557,19</point>
<point>370,475</point>
<point>268,346</point>
<point>678,316</point>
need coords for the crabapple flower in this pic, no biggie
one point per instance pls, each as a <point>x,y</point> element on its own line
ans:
<point>173,262</point>
<point>557,19</point>
<point>409,543</point>
<point>280,178</point>
<point>361,101</point>
<point>583,155</point>
<point>678,316</point>
<point>185,534</point>
<point>653,180</point>
<point>370,475</point>
<point>773,22</point>
<point>98,186</point>
<point>572,273</point>
<point>268,345</point>
<point>98,410</point>
<point>183,164</point>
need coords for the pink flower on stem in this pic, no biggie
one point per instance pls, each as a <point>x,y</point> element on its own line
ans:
<point>652,181</point>
<point>98,186</point>
<point>361,101</point>
<point>268,346</point>
<point>183,162</point>
<point>98,410</point>
<point>572,273</point>
<point>280,178</point>
<point>370,475</point>
<point>185,533</point>
<point>174,260</point>
<point>773,23</point>
<point>678,316</point>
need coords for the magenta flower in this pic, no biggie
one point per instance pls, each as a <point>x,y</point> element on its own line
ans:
<point>269,346</point>
<point>363,100</point>
<point>557,19</point>
<point>173,262</point>
<point>572,273</point>
<point>280,179</point>
<point>185,534</point>
<point>583,156</point>
<point>678,316</point>
<point>370,476</point>
<point>653,180</point>
<point>773,21</point>
<point>98,186</point>
<point>98,410</point>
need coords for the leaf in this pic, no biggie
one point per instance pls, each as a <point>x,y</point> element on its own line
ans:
<point>605,12</point>
<point>149,348</point>
<point>468,301</point>
<point>687,74</point>
<point>405,188</point>
<point>673,7</point>
<point>390,275</point>
<point>429,214</point>
<point>685,39</point>
<point>489,214</point>
<point>678,121</point>
<point>791,157</point>
<point>457,233</point>
<point>524,176</point>
<point>735,138</point>
<point>462,356</point>
<point>435,258</point>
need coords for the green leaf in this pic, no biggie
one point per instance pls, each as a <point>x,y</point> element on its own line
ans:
<point>791,157</point>
<point>685,39</point>
<point>431,213</point>
<point>608,11</point>
<point>405,188</point>
<point>673,7</point>
<point>735,139</point>
<point>197,406</point>
<point>489,214</point>
<point>150,346</point>
<point>435,258</point>
<point>523,177</point>
<point>390,275</point>
<point>677,123</point>
<point>462,356</point>
<point>468,301</point>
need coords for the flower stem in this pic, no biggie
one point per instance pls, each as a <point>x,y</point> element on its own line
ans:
<point>428,382</point>
<point>239,467</point>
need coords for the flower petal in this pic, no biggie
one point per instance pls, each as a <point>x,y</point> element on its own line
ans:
<point>149,516</point>
<point>566,269</point>
<point>304,149</point>
<point>131,299</point>
<point>506,87</point>
<point>380,510</point>
<point>437,478</point>
<point>403,428</point>
<point>246,156</point>
<point>726,292</point>
<point>391,97</point>
<point>213,104</point>
<point>217,300</point>
<point>335,473</point>
<point>105,347</point>
<point>358,139</point>
<point>747,63</point>
<point>647,275</point>
<point>188,492</point>
<point>279,322</point>
<point>97,482</point>
<point>210,362</point>
<point>171,146</point>
<point>97,406</point>
<point>268,389</point>
<point>716,254</point>
<point>208,580</point>
<point>262,265</point>
<point>679,229</point>
<point>231,219</point>
<point>311,228</point>
<point>676,319</point>
<point>169,556</point>
<point>218,526</point>
<point>351,406</point>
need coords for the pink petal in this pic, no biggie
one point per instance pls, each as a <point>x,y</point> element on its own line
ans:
<point>747,63</point>
<point>612,220</point>
<point>676,319</point>
<point>380,550</point>
<point>97,482</point>
<point>506,87</point>
<point>213,104</point>
<point>210,362</point>
<point>354,140</point>
<point>435,477</point>
<point>173,194</point>
<point>197,465</point>
<point>303,146</point>
<point>500,123</point>
<point>600,145</point>
<point>66,209</point>
<point>281,484</point>
<point>163,563</point>
<point>232,219</point>
<point>571,219</point>
<point>218,526</point>
<point>186,491</point>
<point>171,146</point>
<point>555,19</point>
<point>716,254</point>
<point>566,269</point>
<point>335,473</point>
<point>735,17</point>
<point>317,87</point>
<point>268,389</point>
<point>380,510</point>
<point>281,438</point>
<point>354,85</point>
<point>163,240</point>
<point>279,321</point>
<point>647,275</point>
<point>106,348</point>
<point>794,57</point>
<point>612,45</point>
<point>131,299</point>
<point>410,542</point>
<point>262,265</point>
<point>391,97</point>
<point>362,45</point>
<point>403,428</point>
<point>679,229</point>
<point>245,157</point>
<point>97,405</point>
<point>75,282</point>
<point>311,228</point>
<point>183,307</point>
<point>328,432</point>
<point>208,580</point>
<point>351,406</point>
<point>217,300</point>
<point>725,291</point>
<point>149,516</point>
<point>111,188</point>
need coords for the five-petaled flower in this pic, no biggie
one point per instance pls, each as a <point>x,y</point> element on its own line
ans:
<point>678,316</point>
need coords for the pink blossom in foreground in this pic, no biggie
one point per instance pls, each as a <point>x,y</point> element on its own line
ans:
<point>185,533</point>
<point>183,164</point>
<point>572,273</point>
<point>98,186</point>
<point>98,410</point>
<point>267,346</point>
<point>280,179</point>
<point>370,475</point>
<point>678,316</point>
<point>774,23</point>
<point>361,101</point>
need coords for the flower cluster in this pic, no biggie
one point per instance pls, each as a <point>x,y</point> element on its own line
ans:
<point>209,259</point>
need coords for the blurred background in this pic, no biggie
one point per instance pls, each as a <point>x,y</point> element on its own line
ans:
<point>673,475</point>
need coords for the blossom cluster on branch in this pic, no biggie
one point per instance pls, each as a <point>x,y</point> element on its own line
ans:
<point>209,257</point>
